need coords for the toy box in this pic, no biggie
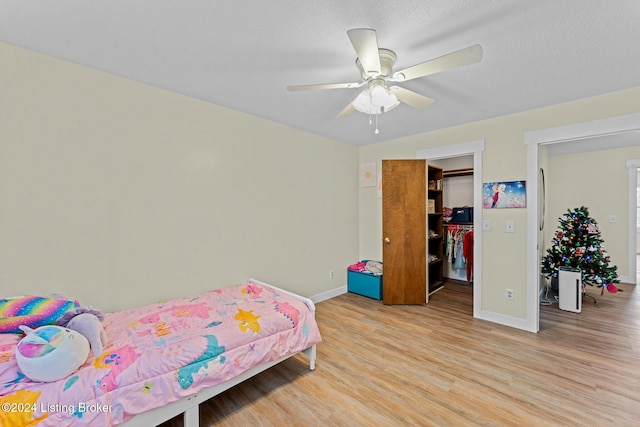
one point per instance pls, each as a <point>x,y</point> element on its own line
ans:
<point>364,284</point>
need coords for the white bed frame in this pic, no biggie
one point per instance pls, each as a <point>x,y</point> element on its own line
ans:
<point>189,405</point>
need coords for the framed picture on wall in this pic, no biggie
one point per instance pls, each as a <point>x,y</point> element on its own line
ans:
<point>368,175</point>
<point>505,194</point>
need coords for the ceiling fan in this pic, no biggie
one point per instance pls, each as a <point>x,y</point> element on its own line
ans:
<point>375,65</point>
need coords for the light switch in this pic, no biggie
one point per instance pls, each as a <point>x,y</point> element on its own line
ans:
<point>510,227</point>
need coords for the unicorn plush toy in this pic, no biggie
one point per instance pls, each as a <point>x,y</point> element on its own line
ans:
<point>50,352</point>
<point>58,332</point>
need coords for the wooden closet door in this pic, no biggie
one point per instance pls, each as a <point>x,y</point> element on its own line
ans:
<point>404,234</point>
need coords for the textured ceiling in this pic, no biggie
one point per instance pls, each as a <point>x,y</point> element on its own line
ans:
<point>243,54</point>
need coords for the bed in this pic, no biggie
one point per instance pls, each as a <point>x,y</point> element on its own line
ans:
<point>163,360</point>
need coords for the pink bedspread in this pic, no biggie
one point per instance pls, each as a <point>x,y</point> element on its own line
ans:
<point>159,354</point>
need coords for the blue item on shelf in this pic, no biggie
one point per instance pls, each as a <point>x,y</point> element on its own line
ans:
<point>462,214</point>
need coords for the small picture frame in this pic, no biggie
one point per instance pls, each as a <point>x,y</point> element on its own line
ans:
<point>368,175</point>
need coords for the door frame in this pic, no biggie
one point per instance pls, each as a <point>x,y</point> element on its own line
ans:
<point>474,148</point>
<point>596,128</point>
<point>633,166</point>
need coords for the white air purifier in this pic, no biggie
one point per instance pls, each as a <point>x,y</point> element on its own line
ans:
<point>570,289</point>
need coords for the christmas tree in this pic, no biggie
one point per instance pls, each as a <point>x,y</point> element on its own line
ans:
<point>578,244</point>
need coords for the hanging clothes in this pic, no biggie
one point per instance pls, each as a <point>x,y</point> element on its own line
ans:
<point>449,245</point>
<point>459,263</point>
<point>467,252</point>
<point>459,247</point>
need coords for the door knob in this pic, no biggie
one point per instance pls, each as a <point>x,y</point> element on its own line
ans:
<point>387,240</point>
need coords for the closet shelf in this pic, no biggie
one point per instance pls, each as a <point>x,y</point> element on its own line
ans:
<point>457,172</point>
<point>435,287</point>
<point>435,245</point>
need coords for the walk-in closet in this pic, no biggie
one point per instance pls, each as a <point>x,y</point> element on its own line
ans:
<point>458,230</point>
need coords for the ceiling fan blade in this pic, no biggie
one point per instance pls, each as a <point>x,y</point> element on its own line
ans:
<point>411,98</point>
<point>347,111</point>
<point>325,86</point>
<point>365,43</point>
<point>466,56</point>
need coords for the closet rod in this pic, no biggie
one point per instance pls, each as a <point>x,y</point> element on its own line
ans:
<point>457,172</point>
<point>458,225</point>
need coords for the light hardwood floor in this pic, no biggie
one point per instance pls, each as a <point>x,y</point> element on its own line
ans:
<point>436,365</point>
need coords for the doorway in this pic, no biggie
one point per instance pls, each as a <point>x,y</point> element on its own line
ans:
<point>457,193</point>
<point>610,127</point>
<point>475,149</point>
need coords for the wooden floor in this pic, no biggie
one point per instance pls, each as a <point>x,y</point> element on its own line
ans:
<point>436,365</point>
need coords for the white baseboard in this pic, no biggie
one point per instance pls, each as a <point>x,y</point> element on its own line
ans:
<point>626,279</point>
<point>514,322</point>
<point>329,294</point>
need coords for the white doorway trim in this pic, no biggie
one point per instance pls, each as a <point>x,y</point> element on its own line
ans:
<point>603,127</point>
<point>474,148</point>
<point>633,166</point>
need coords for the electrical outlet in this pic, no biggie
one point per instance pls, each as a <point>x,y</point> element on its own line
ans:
<point>509,294</point>
<point>510,227</point>
<point>331,274</point>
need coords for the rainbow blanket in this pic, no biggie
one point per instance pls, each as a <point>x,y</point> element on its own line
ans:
<point>32,311</point>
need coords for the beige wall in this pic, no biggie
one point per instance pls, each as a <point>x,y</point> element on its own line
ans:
<point>598,180</point>
<point>121,194</point>
<point>504,159</point>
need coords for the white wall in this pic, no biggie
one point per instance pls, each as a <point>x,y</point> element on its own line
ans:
<point>504,159</point>
<point>458,190</point>
<point>599,181</point>
<point>121,194</point>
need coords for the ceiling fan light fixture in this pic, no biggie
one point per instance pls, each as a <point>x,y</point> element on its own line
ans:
<point>376,100</point>
<point>391,101</point>
<point>378,96</point>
